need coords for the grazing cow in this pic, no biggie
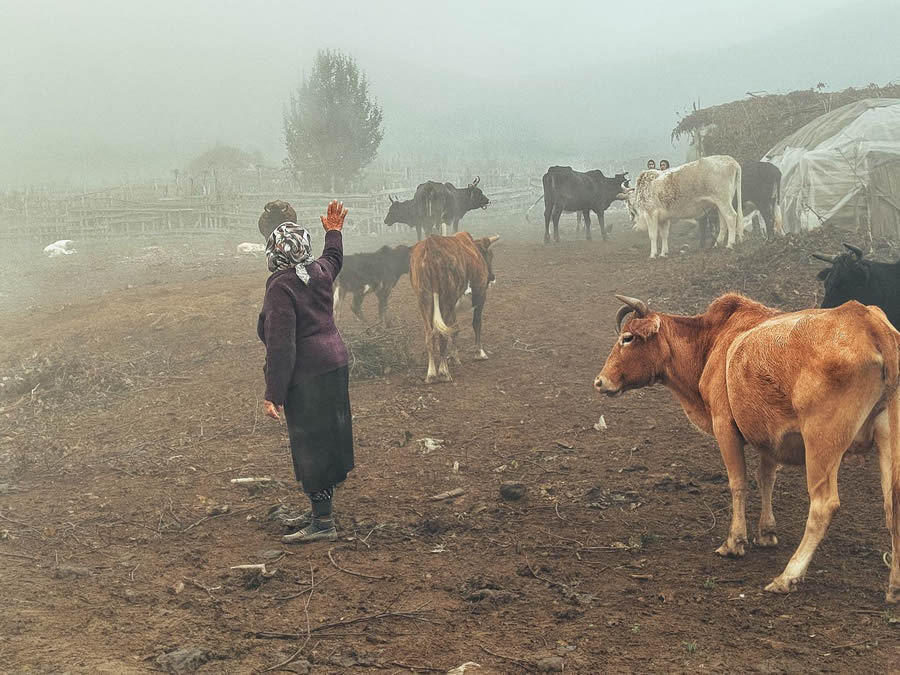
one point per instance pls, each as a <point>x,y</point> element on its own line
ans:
<point>685,193</point>
<point>802,388</point>
<point>378,271</point>
<point>567,190</point>
<point>761,190</point>
<point>274,214</point>
<point>441,269</point>
<point>406,211</point>
<point>852,277</point>
<point>443,204</point>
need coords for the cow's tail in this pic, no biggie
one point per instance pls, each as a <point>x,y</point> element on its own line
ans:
<point>436,319</point>
<point>336,298</point>
<point>530,208</point>
<point>779,222</point>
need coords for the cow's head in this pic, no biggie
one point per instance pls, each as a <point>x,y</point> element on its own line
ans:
<point>274,214</point>
<point>400,256</point>
<point>477,200</point>
<point>484,246</point>
<point>638,357</point>
<point>622,179</point>
<point>397,211</point>
<point>846,279</point>
<point>627,196</point>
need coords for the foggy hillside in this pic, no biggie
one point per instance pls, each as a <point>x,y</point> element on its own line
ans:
<point>111,92</point>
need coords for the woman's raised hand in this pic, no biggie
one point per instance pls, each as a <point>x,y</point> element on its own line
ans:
<point>334,219</point>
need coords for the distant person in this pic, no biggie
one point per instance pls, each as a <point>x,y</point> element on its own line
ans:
<point>651,165</point>
<point>306,366</point>
<point>663,165</point>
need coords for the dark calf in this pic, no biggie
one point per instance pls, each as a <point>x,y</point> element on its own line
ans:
<point>376,272</point>
<point>852,277</point>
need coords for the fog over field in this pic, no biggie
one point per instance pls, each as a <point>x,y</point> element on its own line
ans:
<point>107,91</point>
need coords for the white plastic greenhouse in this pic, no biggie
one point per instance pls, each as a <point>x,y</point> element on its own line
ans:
<point>844,168</point>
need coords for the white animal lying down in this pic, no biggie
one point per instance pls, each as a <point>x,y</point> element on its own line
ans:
<point>250,249</point>
<point>58,248</point>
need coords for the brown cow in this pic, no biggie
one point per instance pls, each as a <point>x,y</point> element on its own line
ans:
<point>802,388</point>
<point>440,270</point>
<point>274,214</point>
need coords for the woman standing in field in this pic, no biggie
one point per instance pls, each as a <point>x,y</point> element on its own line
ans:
<point>306,366</point>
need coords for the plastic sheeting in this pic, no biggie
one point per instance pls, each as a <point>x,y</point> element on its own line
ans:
<point>832,166</point>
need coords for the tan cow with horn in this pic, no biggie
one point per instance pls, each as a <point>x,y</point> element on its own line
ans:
<point>803,388</point>
<point>441,269</point>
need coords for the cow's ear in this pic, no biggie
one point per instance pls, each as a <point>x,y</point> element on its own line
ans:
<point>493,240</point>
<point>644,328</point>
<point>823,274</point>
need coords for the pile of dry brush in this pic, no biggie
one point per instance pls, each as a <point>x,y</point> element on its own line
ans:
<point>747,129</point>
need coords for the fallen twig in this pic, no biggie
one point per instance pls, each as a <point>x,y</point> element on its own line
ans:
<point>450,494</point>
<point>18,555</point>
<point>355,574</point>
<point>506,658</point>
<point>292,657</point>
<point>203,587</point>
<point>218,515</point>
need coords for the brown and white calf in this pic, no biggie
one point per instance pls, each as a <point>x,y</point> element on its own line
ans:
<point>803,388</point>
<point>440,271</point>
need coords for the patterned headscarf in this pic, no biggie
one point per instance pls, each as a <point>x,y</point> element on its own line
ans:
<point>289,246</point>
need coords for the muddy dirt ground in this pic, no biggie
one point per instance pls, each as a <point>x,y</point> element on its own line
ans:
<point>127,410</point>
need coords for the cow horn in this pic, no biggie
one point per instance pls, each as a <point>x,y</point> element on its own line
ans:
<point>493,240</point>
<point>622,195</point>
<point>639,307</point>
<point>391,197</point>
<point>825,258</point>
<point>476,181</point>
<point>854,250</point>
<point>268,207</point>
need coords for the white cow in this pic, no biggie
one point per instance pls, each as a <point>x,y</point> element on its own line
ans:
<point>686,193</point>
<point>59,248</point>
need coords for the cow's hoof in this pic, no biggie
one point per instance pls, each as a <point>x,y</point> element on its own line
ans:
<point>481,355</point>
<point>733,549</point>
<point>782,585</point>
<point>546,240</point>
<point>766,540</point>
<point>664,255</point>
<point>445,377</point>
<point>430,379</point>
<point>893,595</point>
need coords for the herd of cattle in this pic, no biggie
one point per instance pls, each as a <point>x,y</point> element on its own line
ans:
<point>803,388</point>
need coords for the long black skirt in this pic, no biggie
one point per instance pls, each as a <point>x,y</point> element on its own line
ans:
<point>321,429</point>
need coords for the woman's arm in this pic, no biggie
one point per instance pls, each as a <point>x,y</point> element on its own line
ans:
<point>333,254</point>
<point>280,328</point>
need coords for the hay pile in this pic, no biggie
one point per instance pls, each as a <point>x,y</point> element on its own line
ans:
<point>377,351</point>
<point>749,128</point>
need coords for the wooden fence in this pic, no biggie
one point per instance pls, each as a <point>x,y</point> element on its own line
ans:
<point>133,211</point>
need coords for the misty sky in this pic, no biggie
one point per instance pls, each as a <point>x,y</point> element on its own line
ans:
<point>111,91</point>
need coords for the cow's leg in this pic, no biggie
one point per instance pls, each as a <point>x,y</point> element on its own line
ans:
<point>586,214</point>
<point>418,233</point>
<point>765,476</point>
<point>731,445</point>
<point>767,211</point>
<point>429,347</point>
<point>887,438</point>
<point>356,306</point>
<point>477,309</point>
<point>653,231</point>
<point>557,212</point>
<point>455,225</point>
<point>383,293</point>
<point>727,222</point>
<point>664,236</point>
<point>602,222</point>
<point>444,364</point>
<point>823,459</point>
<point>548,214</point>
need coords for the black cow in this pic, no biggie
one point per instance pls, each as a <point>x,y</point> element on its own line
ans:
<point>852,277</point>
<point>567,190</point>
<point>444,204</point>
<point>761,188</point>
<point>407,212</point>
<point>274,214</point>
<point>363,273</point>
